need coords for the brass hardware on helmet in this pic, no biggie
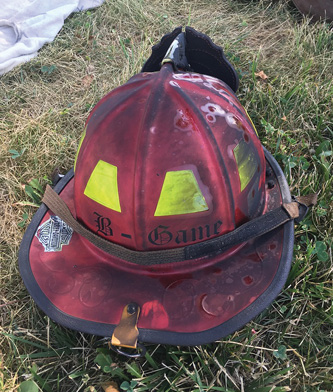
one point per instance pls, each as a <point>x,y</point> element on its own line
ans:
<point>126,332</point>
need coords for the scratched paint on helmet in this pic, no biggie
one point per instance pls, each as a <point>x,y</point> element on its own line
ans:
<point>174,84</point>
<point>182,122</point>
<point>102,186</point>
<point>246,162</point>
<point>213,110</point>
<point>174,137</point>
<point>219,87</point>
<point>180,194</point>
<point>216,85</point>
<point>190,77</point>
<point>79,147</point>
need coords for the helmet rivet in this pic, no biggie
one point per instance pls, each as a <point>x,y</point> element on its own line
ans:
<point>270,184</point>
<point>131,308</point>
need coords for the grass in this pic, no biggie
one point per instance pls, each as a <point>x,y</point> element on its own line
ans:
<point>44,105</point>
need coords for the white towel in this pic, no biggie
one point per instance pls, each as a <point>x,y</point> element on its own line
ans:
<point>26,25</point>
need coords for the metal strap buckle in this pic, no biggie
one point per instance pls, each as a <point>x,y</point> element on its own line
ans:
<point>141,351</point>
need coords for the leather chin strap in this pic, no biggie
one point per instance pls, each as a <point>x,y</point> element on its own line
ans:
<point>257,227</point>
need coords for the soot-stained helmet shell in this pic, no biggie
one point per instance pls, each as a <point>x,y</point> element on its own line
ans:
<point>168,160</point>
<point>186,155</point>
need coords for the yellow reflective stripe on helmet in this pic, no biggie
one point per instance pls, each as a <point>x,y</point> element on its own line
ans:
<point>102,186</point>
<point>79,147</point>
<point>180,194</point>
<point>251,122</point>
<point>246,162</point>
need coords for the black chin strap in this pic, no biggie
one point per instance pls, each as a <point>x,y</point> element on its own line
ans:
<point>255,228</point>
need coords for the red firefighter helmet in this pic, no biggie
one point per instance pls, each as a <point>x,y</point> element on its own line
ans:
<point>169,168</point>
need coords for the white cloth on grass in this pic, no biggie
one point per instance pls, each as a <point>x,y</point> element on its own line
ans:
<point>26,25</point>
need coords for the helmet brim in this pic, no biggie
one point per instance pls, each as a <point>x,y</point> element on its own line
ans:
<point>83,288</point>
